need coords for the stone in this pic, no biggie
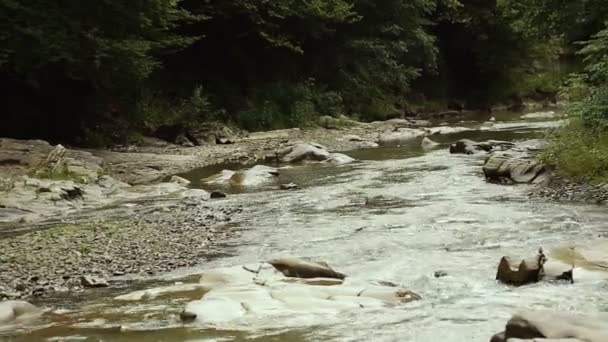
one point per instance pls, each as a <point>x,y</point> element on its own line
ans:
<point>440,274</point>
<point>400,136</point>
<point>179,180</point>
<point>289,186</point>
<point>257,175</point>
<point>303,152</point>
<point>217,194</point>
<point>521,272</point>
<point>352,137</point>
<point>182,140</point>
<point>505,168</point>
<point>549,326</point>
<point>428,144</point>
<point>298,268</point>
<point>466,146</point>
<point>340,159</point>
<point>224,141</point>
<point>446,130</point>
<point>93,282</point>
<point>16,310</point>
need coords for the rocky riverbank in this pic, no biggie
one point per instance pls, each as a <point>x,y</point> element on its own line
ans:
<point>559,188</point>
<point>138,240</point>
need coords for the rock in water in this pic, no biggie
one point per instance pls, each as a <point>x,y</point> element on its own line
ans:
<point>466,146</point>
<point>217,194</point>
<point>400,136</point>
<point>93,282</point>
<point>558,327</point>
<point>297,268</point>
<point>290,186</point>
<point>339,159</point>
<point>524,272</point>
<point>12,310</point>
<point>428,144</point>
<point>504,168</point>
<point>303,152</point>
<point>179,180</point>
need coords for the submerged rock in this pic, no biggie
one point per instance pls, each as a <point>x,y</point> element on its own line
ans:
<point>179,180</point>
<point>289,186</point>
<point>504,168</point>
<point>552,326</point>
<point>339,159</point>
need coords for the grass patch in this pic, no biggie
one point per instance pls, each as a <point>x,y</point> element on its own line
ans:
<point>579,151</point>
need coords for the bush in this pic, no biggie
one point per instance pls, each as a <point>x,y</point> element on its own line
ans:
<point>284,105</point>
<point>579,151</point>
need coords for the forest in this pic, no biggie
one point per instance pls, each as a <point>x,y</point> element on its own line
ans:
<point>99,73</point>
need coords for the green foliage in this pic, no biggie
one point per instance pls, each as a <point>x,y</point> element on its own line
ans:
<point>580,152</point>
<point>155,109</point>
<point>284,105</point>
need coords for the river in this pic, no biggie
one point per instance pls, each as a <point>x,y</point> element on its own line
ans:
<point>398,215</point>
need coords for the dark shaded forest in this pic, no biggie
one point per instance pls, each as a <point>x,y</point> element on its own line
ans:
<point>96,73</point>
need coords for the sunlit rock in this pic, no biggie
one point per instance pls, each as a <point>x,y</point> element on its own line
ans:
<point>173,291</point>
<point>428,144</point>
<point>339,159</point>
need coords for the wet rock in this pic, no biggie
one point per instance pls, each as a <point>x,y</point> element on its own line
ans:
<point>15,310</point>
<point>554,327</point>
<point>217,194</point>
<point>257,175</point>
<point>303,152</point>
<point>539,115</point>
<point>466,146</point>
<point>290,186</point>
<point>400,136</point>
<point>224,141</point>
<point>504,168</point>
<point>446,130</point>
<point>188,291</point>
<point>353,137</point>
<point>195,195</point>
<point>428,144</point>
<point>440,274</point>
<point>340,159</point>
<point>521,272</point>
<point>293,267</point>
<point>93,282</point>
<point>179,180</point>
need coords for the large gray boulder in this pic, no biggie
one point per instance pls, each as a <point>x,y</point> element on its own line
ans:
<point>554,327</point>
<point>303,152</point>
<point>400,136</point>
<point>504,168</point>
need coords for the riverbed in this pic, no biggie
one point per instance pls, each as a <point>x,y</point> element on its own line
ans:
<point>399,214</point>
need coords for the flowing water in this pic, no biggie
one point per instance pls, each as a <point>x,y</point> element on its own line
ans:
<point>397,215</point>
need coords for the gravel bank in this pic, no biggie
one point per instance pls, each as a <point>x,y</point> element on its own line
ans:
<point>152,240</point>
<point>563,189</point>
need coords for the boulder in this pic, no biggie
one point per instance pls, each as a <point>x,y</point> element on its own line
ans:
<point>504,168</point>
<point>352,137</point>
<point>428,144</point>
<point>446,130</point>
<point>340,159</point>
<point>466,146</point>
<point>16,310</point>
<point>93,282</point>
<point>303,152</point>
<point>298,268</point>
<point>554,327</point>
<point>257,175</point>
<point>217,194</point>
<point>179,180</point>
<point>289,186</point>
<point>521,272</point>
<point>400,136</point>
